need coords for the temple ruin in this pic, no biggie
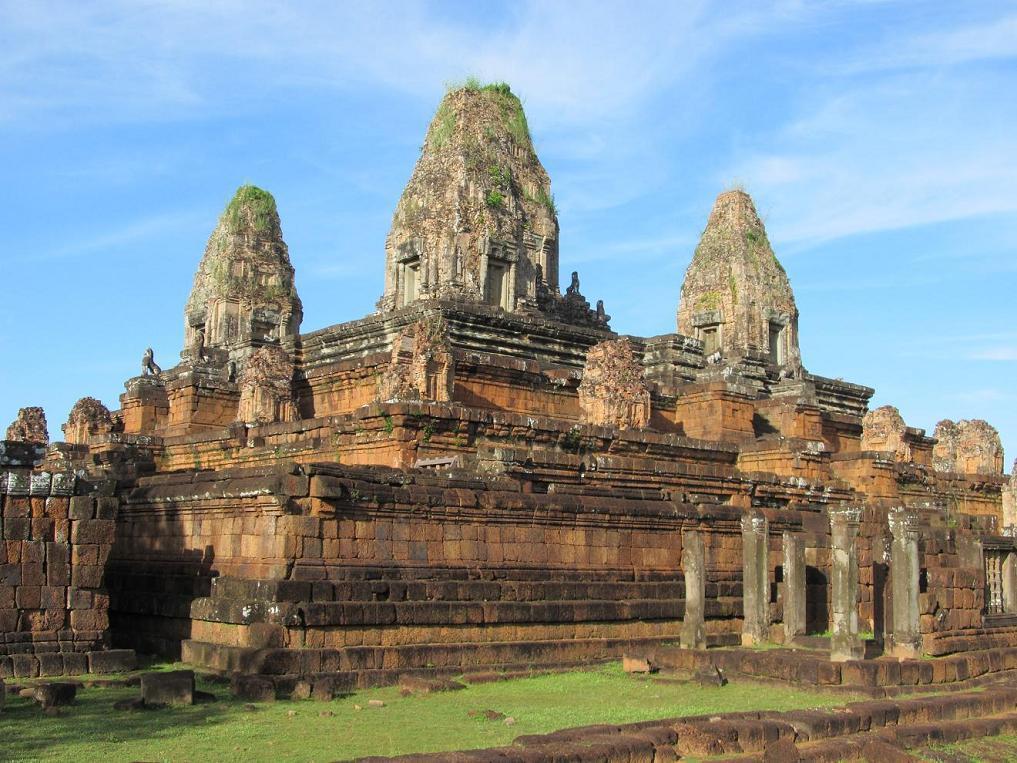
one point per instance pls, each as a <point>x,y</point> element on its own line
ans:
<point>482,474</point>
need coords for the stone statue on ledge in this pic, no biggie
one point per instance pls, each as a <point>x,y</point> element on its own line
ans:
<point>574,286</point>
<point>148,364</point>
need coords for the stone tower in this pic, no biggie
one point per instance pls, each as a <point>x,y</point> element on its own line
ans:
<point>736,297</point>
<point>476,221</point>
<point>243,294</point>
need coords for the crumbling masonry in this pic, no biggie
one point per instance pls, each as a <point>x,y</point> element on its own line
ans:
<point>482,474</point>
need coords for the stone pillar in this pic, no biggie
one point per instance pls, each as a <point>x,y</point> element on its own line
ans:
<point>144,405</point>
<point>845,644</point>
<point>794,586</point>
<point>905,638</point>
<point>1010,583</point>
<point>693,635</point>
<point>755,579</point>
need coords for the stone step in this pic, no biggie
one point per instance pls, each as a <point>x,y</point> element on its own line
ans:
<point>458,657</point>
<point>811,668</point>
<point>835,734</point>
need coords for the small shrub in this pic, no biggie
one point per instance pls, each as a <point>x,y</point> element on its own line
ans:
<point>547,200</point>
<point>494,199</point>
<point>259,202</point>
<point>499,176</point>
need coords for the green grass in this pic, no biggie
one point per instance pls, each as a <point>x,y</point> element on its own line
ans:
<point>442,126</point>
<point>225,731</point>
<point>1002,747</point>
<point>260,203</point>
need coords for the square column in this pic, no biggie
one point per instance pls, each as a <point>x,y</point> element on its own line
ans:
<point>794,586</point>
<point>1010,583</point>
<point>906,638</point>
<point>844,524</point>
<point>755,579</point>
<point>693,635</point>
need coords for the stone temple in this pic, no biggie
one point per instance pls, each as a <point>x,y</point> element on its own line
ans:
<point>483,474</point>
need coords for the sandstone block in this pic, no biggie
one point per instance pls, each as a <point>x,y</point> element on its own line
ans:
<point>75,663</point>
<point>55,694</point>
<point>93,531</point>
<point>636,664</point>
<point>112,661</point>
<point>170,688</point>
<point>82,507</point>
<point>51,664</point>
<point>253,688</point>
<point>25,665</point>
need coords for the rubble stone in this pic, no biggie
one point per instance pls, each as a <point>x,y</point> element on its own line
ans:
<point>88,418</point>
<point>613,392</point>
<point>175,687</point>
<point>967,447</point>
<point>421,366</point>
<point>56,694</point>
<point>883,430</point>
<point>29,427</point>
<point>266,387</point>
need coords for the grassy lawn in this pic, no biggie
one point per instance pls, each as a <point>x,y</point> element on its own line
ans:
<point>1002,747</point>
<point>92,730</point>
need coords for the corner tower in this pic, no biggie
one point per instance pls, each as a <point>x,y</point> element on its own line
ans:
<point>736,297</point>
<point>476,221</point>
<point>243,293</point>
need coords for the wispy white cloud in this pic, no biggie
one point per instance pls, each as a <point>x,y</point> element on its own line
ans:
<point>984,395</point>
<point>572,61</point>
<point>995,353</point>
<point>985,40</point>
<point>893,148</point>
<point>113,241</point>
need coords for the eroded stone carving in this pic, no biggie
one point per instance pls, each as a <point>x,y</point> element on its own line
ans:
<point>736,297</point>
<point>266,387</point>
<point>967,447</point>
<point>613,392</point>
<point>148,365</point>
<point>883,430</point>
<point>244,289</point>
<point>88,418</point>
<point>29,426</point>
<point>422,367</point>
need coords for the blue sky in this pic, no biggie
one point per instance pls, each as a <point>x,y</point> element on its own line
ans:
<point>878,139</point>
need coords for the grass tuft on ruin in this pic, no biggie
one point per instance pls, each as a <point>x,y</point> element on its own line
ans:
<point>254,205</point>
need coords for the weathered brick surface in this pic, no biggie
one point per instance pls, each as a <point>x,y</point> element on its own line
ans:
<point>53,607</point>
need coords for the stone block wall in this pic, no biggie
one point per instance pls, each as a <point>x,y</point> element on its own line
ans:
<point>57,535</point>
<point>335,557</point>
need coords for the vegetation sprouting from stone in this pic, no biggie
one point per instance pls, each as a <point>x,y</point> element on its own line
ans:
<point>509,106</point>
<point>494,199</point>
<point>547,200</point>
<point>443,125</point>
<point>251,205</point>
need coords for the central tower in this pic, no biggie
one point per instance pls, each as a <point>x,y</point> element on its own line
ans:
<point>476,221</point>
